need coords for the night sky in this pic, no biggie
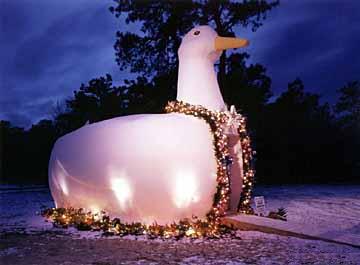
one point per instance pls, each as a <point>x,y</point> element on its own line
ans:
<point>48,48</point>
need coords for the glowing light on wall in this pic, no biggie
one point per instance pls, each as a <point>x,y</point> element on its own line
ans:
<point>186,189</point>
<point>122,191</point>
<point>94,209</point>
<point>63,185</point>
<point>61,177</point>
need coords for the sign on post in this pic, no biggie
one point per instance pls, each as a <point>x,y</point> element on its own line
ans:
<point>260,205</point>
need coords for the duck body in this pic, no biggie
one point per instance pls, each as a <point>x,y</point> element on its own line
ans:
<point>155,167</point>
<point>146,168</point>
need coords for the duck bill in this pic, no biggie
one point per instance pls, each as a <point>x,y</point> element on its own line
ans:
<point>223,43</point>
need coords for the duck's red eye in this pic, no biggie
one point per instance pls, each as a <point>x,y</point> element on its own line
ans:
<point>197,32</point>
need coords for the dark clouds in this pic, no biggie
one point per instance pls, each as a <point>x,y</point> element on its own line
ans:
<point>315,40</point>
<point>48,48</point>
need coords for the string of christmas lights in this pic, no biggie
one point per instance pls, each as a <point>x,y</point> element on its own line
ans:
<point>217,120</point>
<point>248,169</point>
<point>86,221</point>
<point>194,228</point>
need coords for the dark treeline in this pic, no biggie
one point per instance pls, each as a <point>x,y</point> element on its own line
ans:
<point>298,139</point>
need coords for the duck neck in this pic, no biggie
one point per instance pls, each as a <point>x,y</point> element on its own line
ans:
<point>197,84</point>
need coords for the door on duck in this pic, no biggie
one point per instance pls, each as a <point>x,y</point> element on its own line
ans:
<point>236,170</point>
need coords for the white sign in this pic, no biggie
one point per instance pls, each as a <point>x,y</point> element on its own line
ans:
<point>260,205</point>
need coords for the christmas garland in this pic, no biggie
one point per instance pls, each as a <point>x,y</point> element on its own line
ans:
<point>218,120</point>
<point>211,227</point>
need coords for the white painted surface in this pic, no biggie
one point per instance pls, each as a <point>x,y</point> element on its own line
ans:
<point>149,168</point>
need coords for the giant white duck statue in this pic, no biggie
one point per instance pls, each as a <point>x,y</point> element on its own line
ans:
<point>153,167</point>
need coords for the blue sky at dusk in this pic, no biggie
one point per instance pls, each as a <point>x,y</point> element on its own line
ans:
<point>48,48</point>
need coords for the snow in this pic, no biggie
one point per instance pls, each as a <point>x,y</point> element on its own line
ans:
<point>329,208</point>
<point>332,206</point>
<point>8,251</point>
<point>20,208</point>
<point>202,260</point>
<point>329,211</point>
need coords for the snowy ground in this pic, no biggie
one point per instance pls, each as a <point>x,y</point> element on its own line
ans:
<point>27,239</point>
<point>325,211</point>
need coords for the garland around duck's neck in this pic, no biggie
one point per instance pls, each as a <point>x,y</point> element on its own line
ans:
<point>197,83</point>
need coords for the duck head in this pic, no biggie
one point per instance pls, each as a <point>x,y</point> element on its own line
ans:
<point>200,48</point>
<point>204,42</point>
